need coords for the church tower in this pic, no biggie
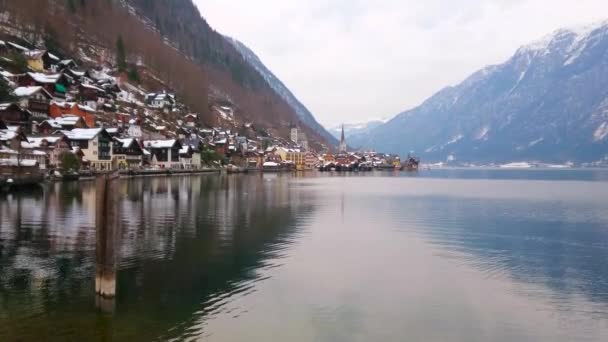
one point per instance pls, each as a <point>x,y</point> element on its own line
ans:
<point>342,142</point>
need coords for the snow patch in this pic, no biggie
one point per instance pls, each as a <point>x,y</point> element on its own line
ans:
<point>536,142</point>
<point>483,133</point>
<point>455,139</point>
<point>601,132</point>
<point>518,165</point>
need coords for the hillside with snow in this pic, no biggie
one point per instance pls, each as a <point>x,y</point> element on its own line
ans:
<point>351,129</point>
<point>548,102</point>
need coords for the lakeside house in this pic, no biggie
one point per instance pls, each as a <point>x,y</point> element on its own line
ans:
<point>165,154</point>
<point>127,154</point>
<point>53,146</point>
<point>185,157</point>
<point>95,144</point>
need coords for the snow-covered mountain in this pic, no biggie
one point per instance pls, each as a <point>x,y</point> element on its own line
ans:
<point>351,129</point>
<point>548,102</point>
<point>277,85</point>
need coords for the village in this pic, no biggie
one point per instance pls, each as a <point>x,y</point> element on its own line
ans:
<point>64,121</point>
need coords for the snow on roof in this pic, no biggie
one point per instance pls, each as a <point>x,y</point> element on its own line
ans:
<point>90,86</point>
<point>146,152</point>
<point>82,133</point>
<point>126,143</point>
<point>54,57</point>
<point>66,120</point>
<point>36,142</point>
<point>6,150</point>
<point>161,128</point>
<point>28,91</point>
<point>7,134</point>
<point>4,106</point>
<point>78,73</point>
<point>34,54</point>
<point>44,78</point>
<point>271,164</point>
<point>185,149</point>
<point>112,130</point>
<point>15,162</point>
<point>6,74</point>
<point>18,47</point>
<point>160,143</point>
<point>86,108</point>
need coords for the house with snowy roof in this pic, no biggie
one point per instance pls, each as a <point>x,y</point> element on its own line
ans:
<point>53,146</point>
<point>165,153</point>
<point>185,157</point>
<point>162,100</point>
<point>35,99</point>
<point>12,114</point>
<point>34,59</point>
<point>58,109</point>
<point>65,123</point>
<point>54,84</point>
<point>95,144</point>
<point>127,154</point>
<point>50,61</point>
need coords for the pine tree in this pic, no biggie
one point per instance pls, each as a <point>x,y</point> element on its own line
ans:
<point>121,55</point>
<point>133,74</point>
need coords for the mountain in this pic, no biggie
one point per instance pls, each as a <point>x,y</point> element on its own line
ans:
<point>170,42</point>
<point>548,102</point>
<point>351,129</point>
<point>279,87</point>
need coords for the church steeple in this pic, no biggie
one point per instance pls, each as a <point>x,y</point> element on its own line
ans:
<point>342,142</point>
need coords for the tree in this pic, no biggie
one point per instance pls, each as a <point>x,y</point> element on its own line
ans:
<point>50,39</point>
<point>71,6</point>
<point>208,156</point>
<point>69,161</point>
<point>19,62</point>
<point>121,54</point>
<point>6,93</point>
<point>133,74</point>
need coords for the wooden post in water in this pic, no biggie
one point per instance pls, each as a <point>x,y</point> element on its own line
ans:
<point>107,223</point>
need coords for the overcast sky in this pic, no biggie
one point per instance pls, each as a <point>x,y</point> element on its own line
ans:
<point>354,60</point>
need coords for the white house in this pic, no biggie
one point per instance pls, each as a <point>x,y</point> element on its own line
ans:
<point>95,144</point>
<point>164,153</point>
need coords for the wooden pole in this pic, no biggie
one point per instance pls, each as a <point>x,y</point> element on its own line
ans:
<point>107,222</point>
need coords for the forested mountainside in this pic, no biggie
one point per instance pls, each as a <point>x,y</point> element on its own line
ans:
<point>548,102</point>
<point>279,87</point>
<point>167,39</point>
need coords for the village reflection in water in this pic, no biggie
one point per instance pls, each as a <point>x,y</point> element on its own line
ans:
<point>182,246</point>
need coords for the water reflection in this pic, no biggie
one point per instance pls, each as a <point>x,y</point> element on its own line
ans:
<point>185,248</point>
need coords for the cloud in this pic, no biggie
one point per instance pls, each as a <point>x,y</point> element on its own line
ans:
<point>349,60</point>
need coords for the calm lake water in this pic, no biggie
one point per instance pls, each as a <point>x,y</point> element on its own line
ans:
<point>445,255</point>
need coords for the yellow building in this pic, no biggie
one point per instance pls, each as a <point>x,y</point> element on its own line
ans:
<point>34,60</point>
<point>298,158</point>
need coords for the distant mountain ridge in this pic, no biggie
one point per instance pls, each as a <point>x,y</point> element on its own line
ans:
<point>279,87</point>
<point>548,102</point>
<point>351,129</point>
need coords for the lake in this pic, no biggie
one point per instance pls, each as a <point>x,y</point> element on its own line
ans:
<point>443,255</point>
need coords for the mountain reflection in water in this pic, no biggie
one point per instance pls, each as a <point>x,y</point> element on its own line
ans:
<point>458,255</point>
